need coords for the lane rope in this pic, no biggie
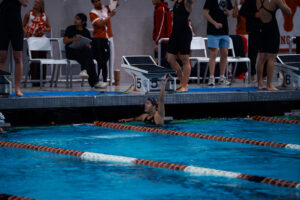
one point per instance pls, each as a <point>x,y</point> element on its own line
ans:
<point>198,135</point>
<point>193,170</point>
<point>12,197</point>
<point>274,120</point>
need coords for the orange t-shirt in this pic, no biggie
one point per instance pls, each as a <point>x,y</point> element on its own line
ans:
<point>101,32</point>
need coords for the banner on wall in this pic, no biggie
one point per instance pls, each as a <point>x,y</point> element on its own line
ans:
<point>289,25</point>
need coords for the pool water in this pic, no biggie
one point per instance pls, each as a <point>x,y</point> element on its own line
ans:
<point>44,175</point>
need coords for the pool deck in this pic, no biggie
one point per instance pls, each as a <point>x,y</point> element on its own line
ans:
<point>85,97</point>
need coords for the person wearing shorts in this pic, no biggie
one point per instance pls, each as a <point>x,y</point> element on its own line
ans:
<point>180,42</point>
<point>216,13</point>
<point>12,32</point>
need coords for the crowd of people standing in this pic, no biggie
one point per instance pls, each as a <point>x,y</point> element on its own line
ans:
<point>175,24</point>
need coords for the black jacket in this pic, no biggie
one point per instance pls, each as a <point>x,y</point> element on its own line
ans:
<point>248,10</point>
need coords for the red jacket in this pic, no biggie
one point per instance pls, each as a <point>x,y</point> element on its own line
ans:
<point>162,22</point>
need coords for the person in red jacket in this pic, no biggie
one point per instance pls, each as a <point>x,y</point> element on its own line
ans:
<point>162,28</point>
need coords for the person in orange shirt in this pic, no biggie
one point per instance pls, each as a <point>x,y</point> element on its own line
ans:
<point>100,18</point>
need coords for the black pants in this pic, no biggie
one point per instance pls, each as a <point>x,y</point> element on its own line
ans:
<point>84,57</point>
<point>163,57</point>
<point>253,45</point>
<point>35,67</point>
<point>101,53</point>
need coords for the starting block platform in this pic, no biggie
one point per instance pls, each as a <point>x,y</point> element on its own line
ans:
<point>147,74</point>
<point>289,66</point>
<point>5,84</point>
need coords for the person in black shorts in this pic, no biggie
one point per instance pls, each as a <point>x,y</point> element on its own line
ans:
<point>180,42</point>
<point>269,38</point>
<point>12,32</point>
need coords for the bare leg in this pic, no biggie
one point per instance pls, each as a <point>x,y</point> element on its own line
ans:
<point>223,60</point>
<point>3,57</point>
<point>186,73</point>
<point>270,71</point>
<point>260,67</point>
<point>174,64</point>
<point>18,71</point>
<point>212,61</point>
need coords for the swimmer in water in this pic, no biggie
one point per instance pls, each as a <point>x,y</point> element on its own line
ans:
<point>154,111</point>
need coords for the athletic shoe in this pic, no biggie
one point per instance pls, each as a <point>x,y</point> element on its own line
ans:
<point>223,81</point>
<point>101,85</point>
<point>83,74</point>
<point>211,81</point>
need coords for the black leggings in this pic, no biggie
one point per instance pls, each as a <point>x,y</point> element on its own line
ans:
<point>84,57</point>
<point>101,53</point>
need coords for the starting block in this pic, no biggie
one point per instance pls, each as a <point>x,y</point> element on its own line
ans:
<point>147,74</point>
<point>289,66</point>
<point>5,84</point>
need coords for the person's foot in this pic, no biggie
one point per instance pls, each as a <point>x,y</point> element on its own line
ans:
<point>272,88</point>
<point>83,74</point>
<point>261,86</point>
<point>211,81</point>
<point>19,93</point>
<point>183,89</point>
<point>223,81</point>
<point>101,85</point>
<point>179,87</point>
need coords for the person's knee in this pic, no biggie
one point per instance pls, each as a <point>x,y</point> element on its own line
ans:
<point>171,59</point>
<point>213,53</point>
<point>224,53</point>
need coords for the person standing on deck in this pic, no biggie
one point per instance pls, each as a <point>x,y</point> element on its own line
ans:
<point>269,38</point>
<point>180,42</point>
<point>12,32</point>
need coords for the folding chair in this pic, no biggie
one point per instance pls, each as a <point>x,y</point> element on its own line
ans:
<point>41,44</point>
<point>198,44</point>
<point>70,62</point>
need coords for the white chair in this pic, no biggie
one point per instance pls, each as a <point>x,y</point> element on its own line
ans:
<point>41,44</point>
<point>70,62</point>
<point>198,44</point>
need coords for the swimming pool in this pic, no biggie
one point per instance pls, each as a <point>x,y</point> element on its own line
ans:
<point>45,175</point>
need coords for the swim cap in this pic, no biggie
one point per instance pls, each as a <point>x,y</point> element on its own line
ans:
<point>153,101</point>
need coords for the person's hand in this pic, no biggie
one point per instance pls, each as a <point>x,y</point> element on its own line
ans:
<point>227,12</point>
<point>218,25</point>
<point>77,38</point>
<point>165,79</point>
<point>112,13</point>
<point>122,120</point>
<point>156,48</point>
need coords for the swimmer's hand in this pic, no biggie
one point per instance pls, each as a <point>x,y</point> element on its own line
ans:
<point>124,120</point>
<point>165,79</point>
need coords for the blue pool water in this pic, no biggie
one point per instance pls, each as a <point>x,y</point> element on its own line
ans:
<point>44,175</point>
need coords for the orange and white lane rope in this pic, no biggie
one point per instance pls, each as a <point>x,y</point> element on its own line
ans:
<point>12,197</point>
<point>274,120</point>
<point>193,170</point>
<point>198,135</point>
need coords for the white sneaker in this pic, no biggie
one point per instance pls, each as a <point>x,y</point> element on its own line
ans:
<point>83,74</point>
<point>223,81</point>
<point>211,81</point>
<point>101,85</point>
